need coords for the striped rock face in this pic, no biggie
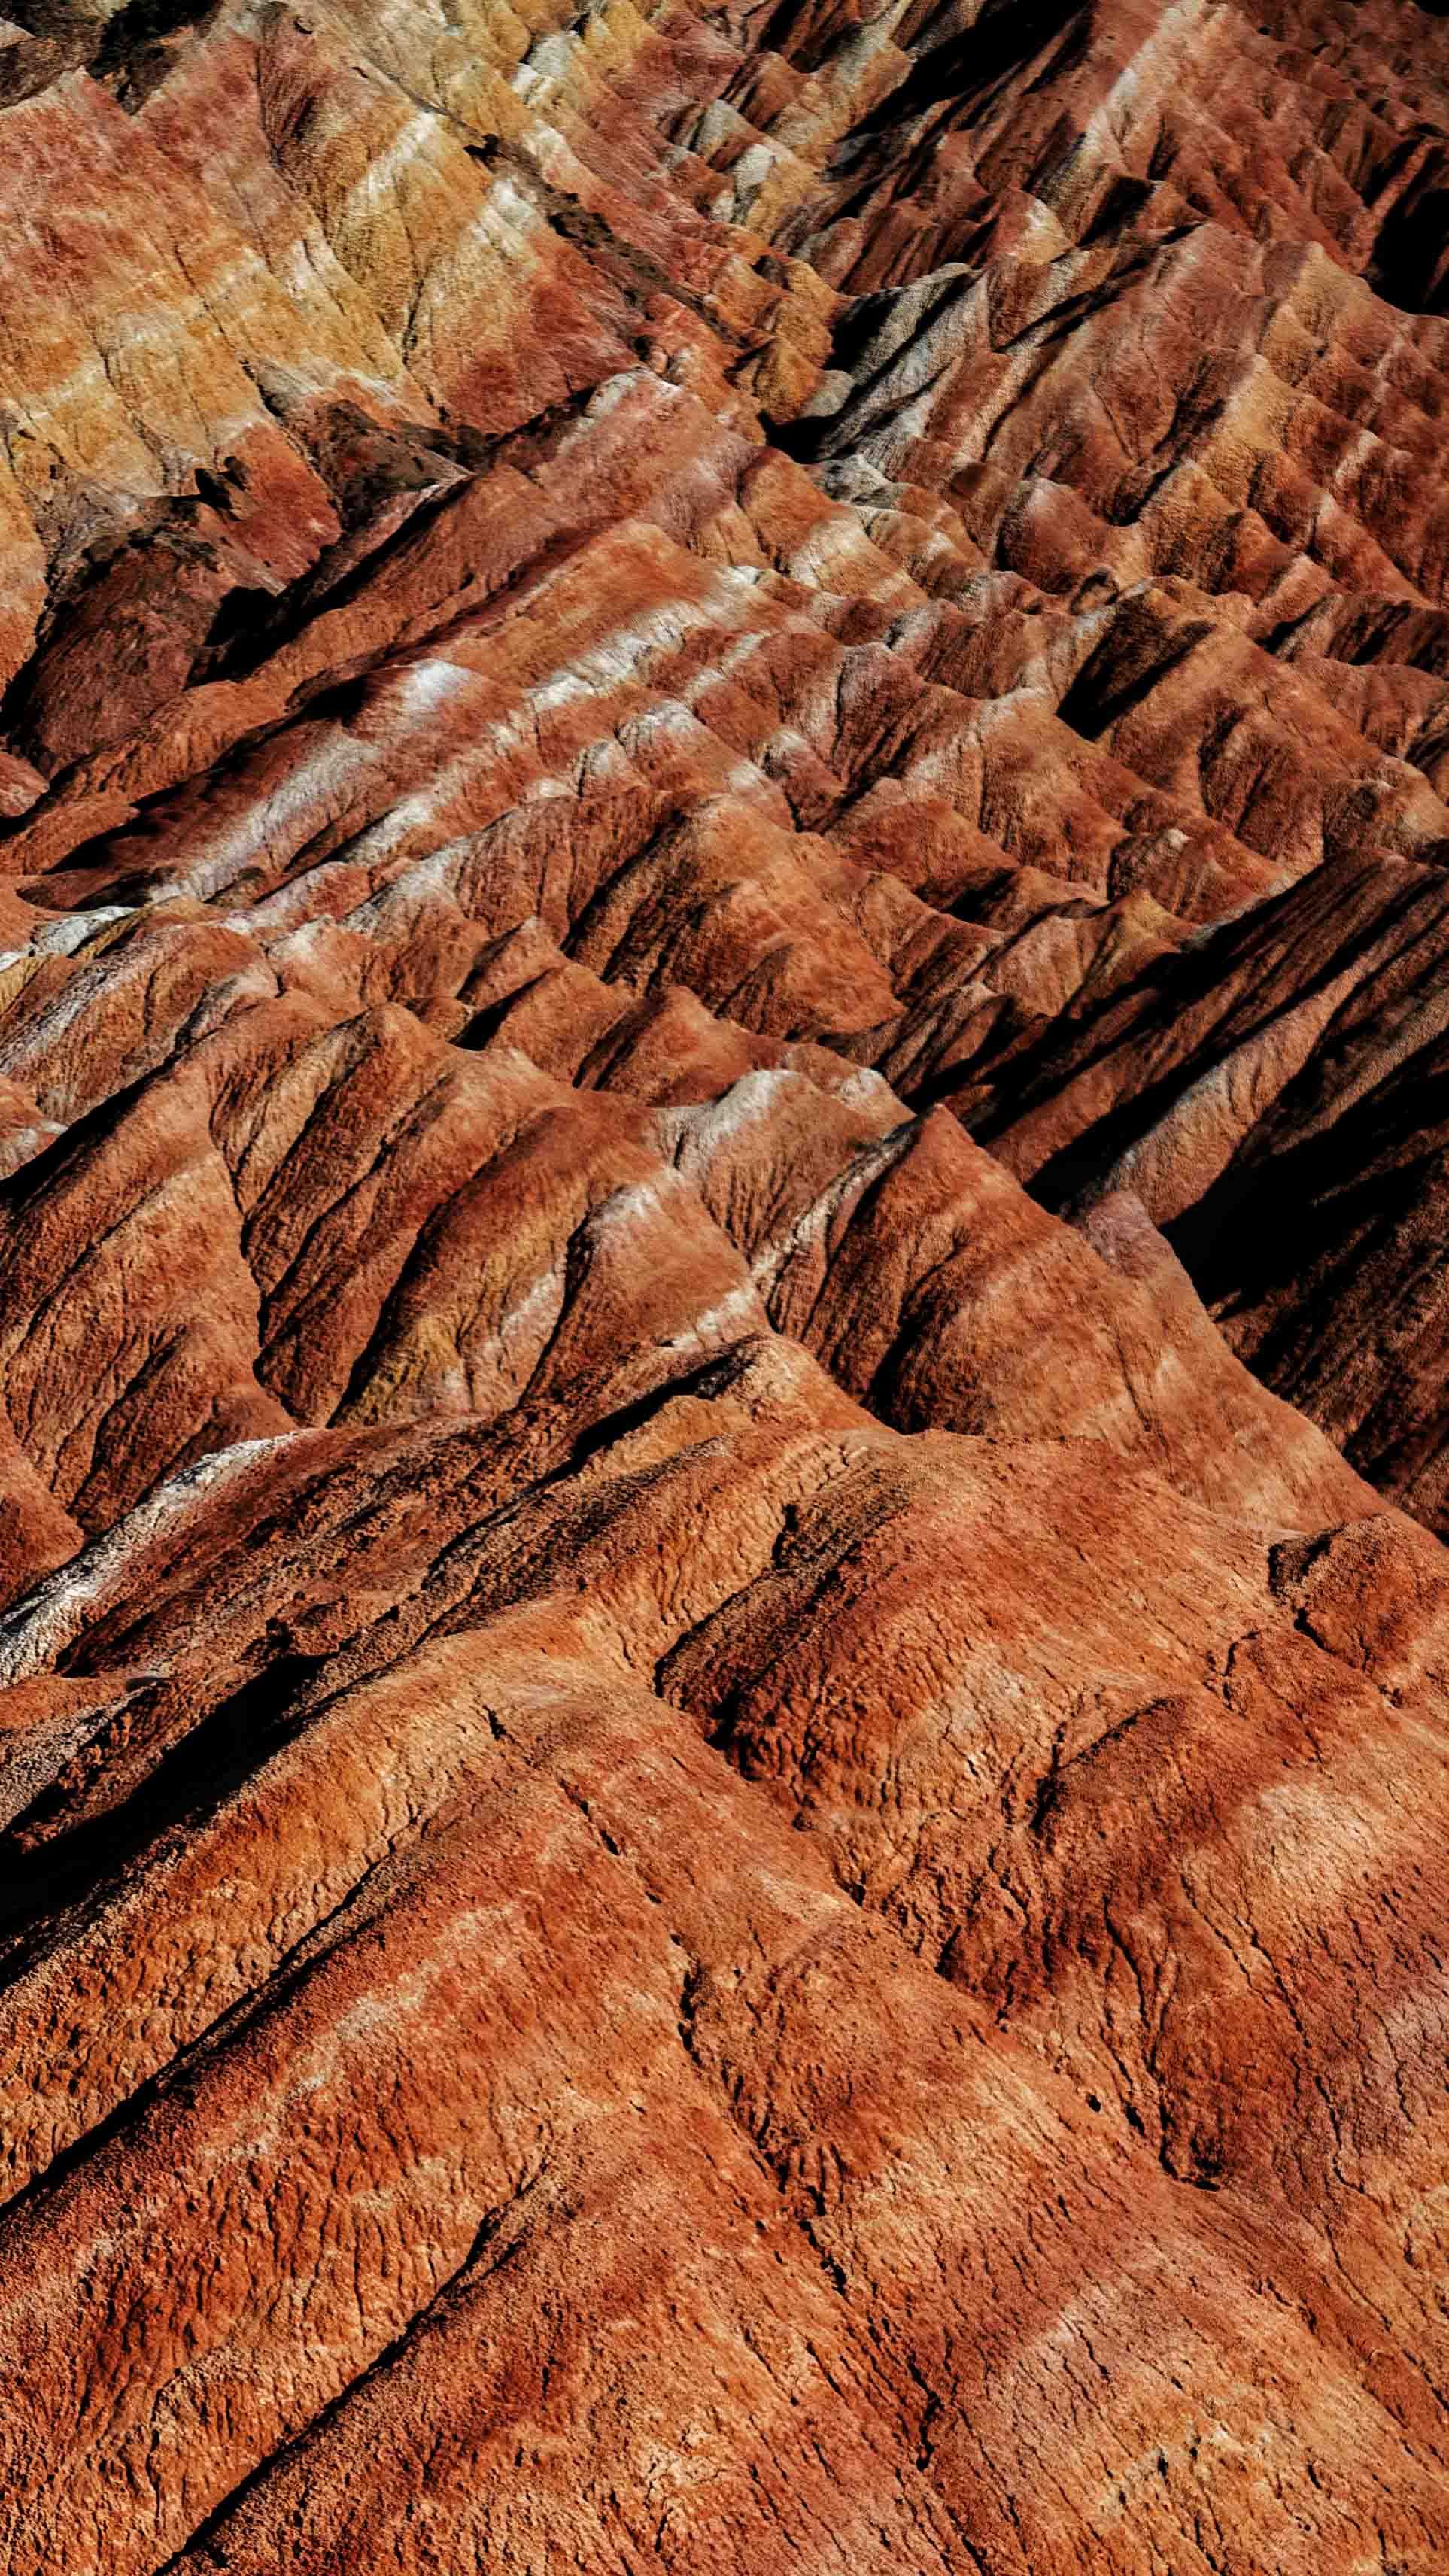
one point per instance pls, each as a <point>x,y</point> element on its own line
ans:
<point>724,1319</point>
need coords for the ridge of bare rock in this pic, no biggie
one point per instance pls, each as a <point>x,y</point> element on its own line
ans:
<point>724,913</point>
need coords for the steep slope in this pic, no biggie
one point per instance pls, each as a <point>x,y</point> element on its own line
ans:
<point>724,825</point>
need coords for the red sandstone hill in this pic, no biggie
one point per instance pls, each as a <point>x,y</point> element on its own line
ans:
<point>724,1319</point>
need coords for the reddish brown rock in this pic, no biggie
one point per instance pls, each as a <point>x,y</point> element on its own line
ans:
<point>723,1759</point>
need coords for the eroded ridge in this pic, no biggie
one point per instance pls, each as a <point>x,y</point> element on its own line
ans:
<point>724,802</point>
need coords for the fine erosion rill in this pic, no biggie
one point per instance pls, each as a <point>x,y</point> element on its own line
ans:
<point>724,1288</point>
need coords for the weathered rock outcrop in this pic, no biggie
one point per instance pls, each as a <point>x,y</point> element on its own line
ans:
<point>724,1332</point>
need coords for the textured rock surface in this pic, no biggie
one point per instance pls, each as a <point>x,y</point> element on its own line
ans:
<point>724,1335</point>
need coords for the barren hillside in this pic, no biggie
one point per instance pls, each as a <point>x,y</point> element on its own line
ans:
<point>724,1288</point>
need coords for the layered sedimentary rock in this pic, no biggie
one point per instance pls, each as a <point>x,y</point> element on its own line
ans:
<point>723,1394</point>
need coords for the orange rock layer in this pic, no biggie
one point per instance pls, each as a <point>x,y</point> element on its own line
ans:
<point>724,1328</point>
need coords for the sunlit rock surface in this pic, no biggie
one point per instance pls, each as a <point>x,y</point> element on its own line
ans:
<point>724,1325</point>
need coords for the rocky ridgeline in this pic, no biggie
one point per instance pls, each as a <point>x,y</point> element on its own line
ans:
<point>724,1333</point>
